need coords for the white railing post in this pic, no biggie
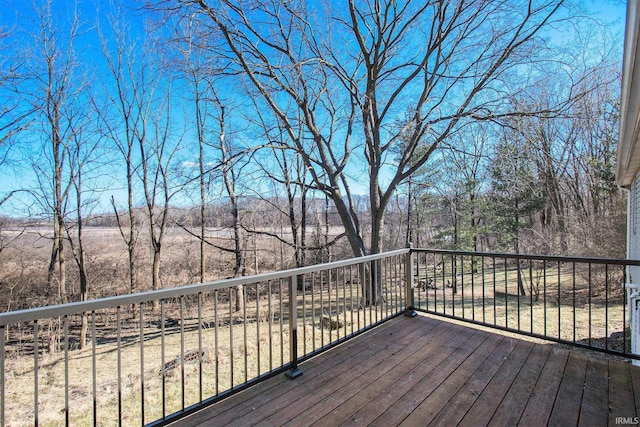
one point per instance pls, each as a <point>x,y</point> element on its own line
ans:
<point>294,372</point>
<point>408,269</point>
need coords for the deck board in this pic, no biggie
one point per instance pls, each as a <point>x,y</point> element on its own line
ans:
<point>595,408</point>
<point>621,397</point>
<point>489,400</point>
<point>513,404</point>
<point>459,404</point>
<point>343,403</point>
<point>426,371</point>
<point>543,395</point>
<point>566,411</point>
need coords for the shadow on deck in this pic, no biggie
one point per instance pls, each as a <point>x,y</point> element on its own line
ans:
<point>423,371</point>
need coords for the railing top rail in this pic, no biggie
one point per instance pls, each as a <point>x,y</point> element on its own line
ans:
<point>33,314</point>
<point>557,258</point>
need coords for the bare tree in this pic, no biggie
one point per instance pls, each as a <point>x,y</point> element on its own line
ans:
<point>157,154</point>
<point>124,118</point>
<point>83,148</point>
<point>13,121</point>
<point>201,72</point>
<point>14,118</point>
<point>444,62</point>
<point>56,98</point>
<point>286,173</point>
<point>231,169</point>
<point>290,52</point>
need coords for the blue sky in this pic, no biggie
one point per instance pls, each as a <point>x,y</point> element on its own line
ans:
<point>17,18</point>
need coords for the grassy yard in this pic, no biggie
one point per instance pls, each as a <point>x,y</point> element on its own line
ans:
<point>156,365</point>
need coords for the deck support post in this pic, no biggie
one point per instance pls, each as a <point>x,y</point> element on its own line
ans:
<point>409,283</point>
<point>294,371</point>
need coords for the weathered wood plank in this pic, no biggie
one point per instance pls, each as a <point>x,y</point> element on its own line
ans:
<point>540,401</point>
<point>512,406</point>
<point>483,409</point>
<point>466,358</point>
<point>389,397</point>
<point>315,388</point>
<point>457,407</point>
<point>341,404</point>
<point>317,404</point>
<point>621,398</point>
<point>594,409</point>
<point>566,409</point>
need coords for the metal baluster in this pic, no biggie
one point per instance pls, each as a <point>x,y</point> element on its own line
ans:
<point>66,370</point>
<point>559,305</point>
<point>473,292</point>
<point>313,309</point>
<point>519,278</point>
<point>258,329</point>
<point>506,294</point>
<point>344,301</point>
<point>119,363</point>
<point>281,322</point>
<point>35,371</point>
<point>200,349</point>
<point>495,312</point>
<point>606,307</point>
<point>142,363</point>
<point>182,379</point>
<point>270,327</point>
<point>163,359</point>
<point>231,349</point>
<point>321,311</point>
<point>359,296</point>
<point>462,284</point>
<point>304,313</point>
<point>294,372</point>
<point>484,292</point>
<point>589,304</point>
<point>94,368</point>
<point>244,328</point>
<point>216,349</point>
<point>531,295</point>
<point>444,287</point>
<point>574,299</point>
<point>351,294</point>
<point>544,296</point>
<point>368,275</point>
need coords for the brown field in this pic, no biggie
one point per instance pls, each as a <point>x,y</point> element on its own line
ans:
<point>24,263</point>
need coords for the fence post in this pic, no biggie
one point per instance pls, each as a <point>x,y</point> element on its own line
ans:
<point>408,271</point>
<point>294,371</point>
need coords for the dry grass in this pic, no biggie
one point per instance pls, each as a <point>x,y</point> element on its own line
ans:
<point>24,264</point>
<point>562,304</point>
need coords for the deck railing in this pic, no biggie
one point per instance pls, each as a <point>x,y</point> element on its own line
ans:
<point>151,357</point>
<point>577,301</point>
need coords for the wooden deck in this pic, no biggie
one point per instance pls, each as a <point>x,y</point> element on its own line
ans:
<point>424,371</point>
